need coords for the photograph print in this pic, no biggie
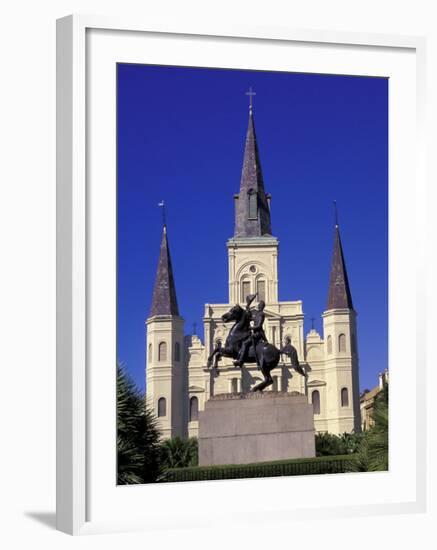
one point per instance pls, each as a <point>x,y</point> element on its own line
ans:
<point>252,274</point>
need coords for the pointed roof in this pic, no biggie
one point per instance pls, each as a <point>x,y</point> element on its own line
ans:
<point>256,221</point>
<point>164,300</point>
<point>339,295</point>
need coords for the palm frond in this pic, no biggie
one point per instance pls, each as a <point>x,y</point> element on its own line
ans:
<point>138,436</point>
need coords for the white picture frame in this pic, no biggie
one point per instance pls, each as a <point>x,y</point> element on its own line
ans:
<point>75,348</point>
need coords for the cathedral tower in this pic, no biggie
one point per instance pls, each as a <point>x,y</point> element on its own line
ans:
<point>252,252</point>
<point>342,399</point>
<point>165,371</point>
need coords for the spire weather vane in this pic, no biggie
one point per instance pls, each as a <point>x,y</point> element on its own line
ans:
<point>250,93</point>
<point>162,205</point>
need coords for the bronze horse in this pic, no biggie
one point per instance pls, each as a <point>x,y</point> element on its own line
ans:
<point>265,355</point>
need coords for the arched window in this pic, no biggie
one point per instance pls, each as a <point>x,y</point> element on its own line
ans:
<point>261,290</point>
<point>234,385</point>
<point>177,352</point>
<point>245,290</point>
<point>315,399</point>
<point>342,343</point>
<point>344,397</point>
<point>329,344</point>
<point>253,206</point>
<point>162,351</point>
<point>194,409</point>
<point>150,352</point>
<point>162,406</point>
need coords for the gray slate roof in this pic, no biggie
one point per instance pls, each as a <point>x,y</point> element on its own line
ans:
<point>251,181</point>
<point>164,300</point>
<point>339,295</point>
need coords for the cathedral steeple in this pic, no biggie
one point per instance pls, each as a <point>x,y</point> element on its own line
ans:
<point>339,295</point>
<point>164,300</point>
<point>165,358</point>
<point>252,211</point>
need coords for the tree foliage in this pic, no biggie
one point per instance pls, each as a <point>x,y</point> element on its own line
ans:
<point>138,446</point>
<point>372,453</point>
<point>179,453</point>
<point>330,444</point>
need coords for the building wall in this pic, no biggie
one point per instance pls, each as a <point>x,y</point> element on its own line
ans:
<point>330,366</point>
<point>166,377</point>
<point>341,371</point>
<point>367,401</point>
<point>253,260</point>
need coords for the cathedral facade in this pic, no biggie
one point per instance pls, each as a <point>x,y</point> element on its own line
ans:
<point>178,381</point>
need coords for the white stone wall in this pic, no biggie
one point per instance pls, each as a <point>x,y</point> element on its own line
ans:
<point>253,260</point>
<point>341,371</point>
<point>167,378</point>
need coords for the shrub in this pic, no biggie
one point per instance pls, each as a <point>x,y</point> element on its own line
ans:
<point>329,444</point>
<point>351,441</point>
<point>308,466</point>
<point>179,453</point>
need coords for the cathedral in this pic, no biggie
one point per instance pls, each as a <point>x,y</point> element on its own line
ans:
<point>178,381</point>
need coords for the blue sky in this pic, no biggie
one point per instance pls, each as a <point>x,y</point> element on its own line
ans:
<point>321,138</point>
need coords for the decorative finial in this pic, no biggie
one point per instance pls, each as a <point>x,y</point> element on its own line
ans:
<point>250,93</point>
<point>195,328</point>
<point>335,214</point>
<point>312,322</point>
<point>164,221</point>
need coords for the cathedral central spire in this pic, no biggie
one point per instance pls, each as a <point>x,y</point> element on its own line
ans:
<point>164,300</point>
<point>252,211</point>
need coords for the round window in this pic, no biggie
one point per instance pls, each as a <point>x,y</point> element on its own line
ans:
<point>252,269</point>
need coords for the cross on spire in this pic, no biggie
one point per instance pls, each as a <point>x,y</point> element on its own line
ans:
<point>195,328</point>
<point>162,205</point>
<point>250,93</point>
<point>312,322</point>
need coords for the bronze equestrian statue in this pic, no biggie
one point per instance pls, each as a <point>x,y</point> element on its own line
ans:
<point>256,348</point>
<point>257,333</point>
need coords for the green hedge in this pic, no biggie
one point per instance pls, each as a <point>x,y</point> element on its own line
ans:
<point>296,467</point>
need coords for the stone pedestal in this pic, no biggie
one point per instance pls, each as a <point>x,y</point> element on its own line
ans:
<point>255,427</point>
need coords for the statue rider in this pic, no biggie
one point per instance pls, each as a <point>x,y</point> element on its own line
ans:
<point>257,333</point>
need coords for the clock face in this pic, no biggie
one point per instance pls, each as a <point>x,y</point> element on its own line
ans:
<point>252,269</point>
